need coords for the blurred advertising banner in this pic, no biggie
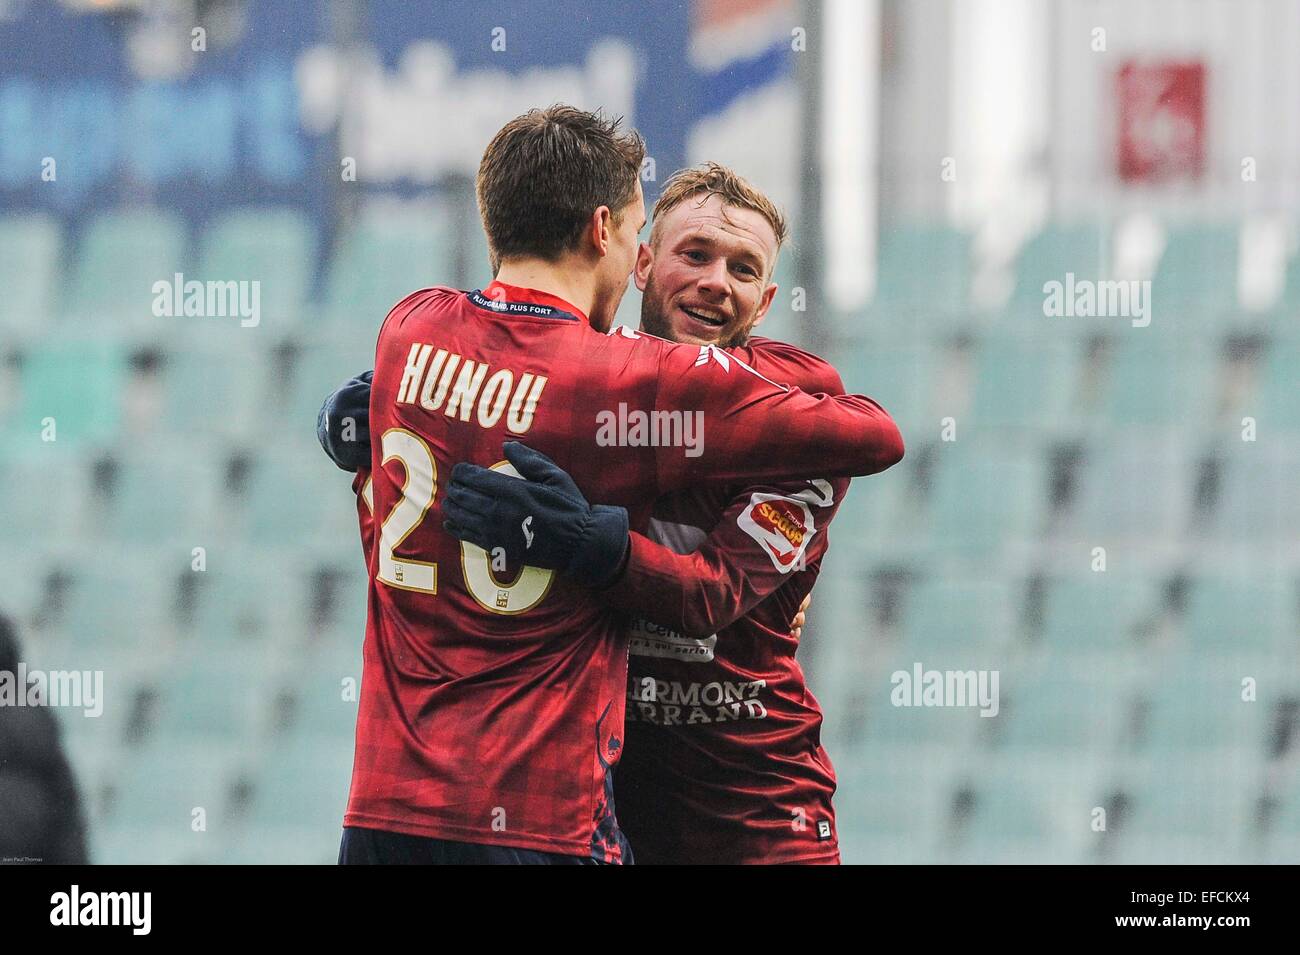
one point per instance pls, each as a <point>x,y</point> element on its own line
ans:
<point>263,102</point>
<point>1161,121</point>
<point>744,50</point>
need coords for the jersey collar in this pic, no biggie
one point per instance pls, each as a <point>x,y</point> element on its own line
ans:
<point>498,297</point>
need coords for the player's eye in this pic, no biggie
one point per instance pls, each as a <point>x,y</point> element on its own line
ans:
<point>695,255</point>
<point>746,270</point>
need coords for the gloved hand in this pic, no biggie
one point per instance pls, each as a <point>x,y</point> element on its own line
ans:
<point>348,447</point>
<point>543,520</point>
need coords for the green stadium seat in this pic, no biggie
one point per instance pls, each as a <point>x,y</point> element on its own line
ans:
<point>1285,829</point>
<point>840,660</point>
<point>1196,274</point>
<point>318,667</point>
<point>1247,614</point>
<point>213,390</point>
<point>989,495</point>
<point>216,700</point>
<point>275,247</point>
<point>283,844</point>
<point>1259,504</point>
<point>1022,383</point>
<point>890,806</point>
<point>927,728</point>
<point>248,600</point>
<point>322,712</point>
<point>1063,713</point>
<point>322,367</point>
<point>1159,379</point>
<point>478,264</point>
<point>1136,485</point>
<point>1197,705</point>
<point>924,268</point>
<point>959,623</point>
<point>1096,611</point>
<point>30,250</point>
<point>874,515</point>
<point>94,748</point>
<point>153,844</point>
<point>1185,812</point>
<point>1030,811</point>
<point>1054,252</point>
<point>899,377</point>
<point>122,255</point>
<point>300,497</point>
<point>163,785</point>
<point>1291,292</point>
<point>1279,388</point>
<point>23,577</point>
<point>305,783</point>
<point>858,847</point>
<point>350,600</point>
<point>77,385</point>
<point>47,485</point>
<point>164,495</point>
<point>114,610</point>
<point>385,258</point>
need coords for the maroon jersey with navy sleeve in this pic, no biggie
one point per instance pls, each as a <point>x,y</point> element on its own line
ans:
<point>724,762</point>
<point>492,700</point>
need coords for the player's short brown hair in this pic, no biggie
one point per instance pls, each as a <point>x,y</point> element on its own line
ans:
<point>712,179</point>
<point>546,172</point>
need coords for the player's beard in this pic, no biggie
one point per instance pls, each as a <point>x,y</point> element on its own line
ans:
<point>654,319</point>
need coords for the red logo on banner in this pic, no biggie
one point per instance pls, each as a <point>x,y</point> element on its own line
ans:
<point>1161,121</point>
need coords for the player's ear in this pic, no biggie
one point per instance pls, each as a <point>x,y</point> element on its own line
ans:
<point>600,229</point>
<point>645,258</point>
<point>765,302</point>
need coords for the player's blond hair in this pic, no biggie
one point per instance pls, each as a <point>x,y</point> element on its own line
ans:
<point>713,179</point>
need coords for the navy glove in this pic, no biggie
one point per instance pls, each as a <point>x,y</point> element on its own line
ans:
<point>351,403</point>
<point>542,521</point>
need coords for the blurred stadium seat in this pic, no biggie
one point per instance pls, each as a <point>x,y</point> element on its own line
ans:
<point>30,252</point>
<point>122,255</point>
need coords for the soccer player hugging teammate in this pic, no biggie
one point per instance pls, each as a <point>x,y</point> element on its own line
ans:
<point>496,669</point>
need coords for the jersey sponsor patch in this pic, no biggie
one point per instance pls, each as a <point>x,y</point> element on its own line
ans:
<point>646,639</point>
<point>782,525</point>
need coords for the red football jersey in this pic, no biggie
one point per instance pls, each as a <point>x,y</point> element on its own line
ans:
<point>492,699</point>
<point>724,762</point>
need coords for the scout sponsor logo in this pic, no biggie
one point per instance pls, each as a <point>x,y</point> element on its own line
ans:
<point>783,526</point>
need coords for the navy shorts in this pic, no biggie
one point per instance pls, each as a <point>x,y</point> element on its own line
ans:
<point>378,847</point>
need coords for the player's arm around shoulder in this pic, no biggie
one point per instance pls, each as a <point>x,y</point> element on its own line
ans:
<point>763,428</point>
<point>766,536</point>
<point>791,365</point>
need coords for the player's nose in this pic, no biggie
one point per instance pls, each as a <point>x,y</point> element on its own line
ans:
<point>712,280</point>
